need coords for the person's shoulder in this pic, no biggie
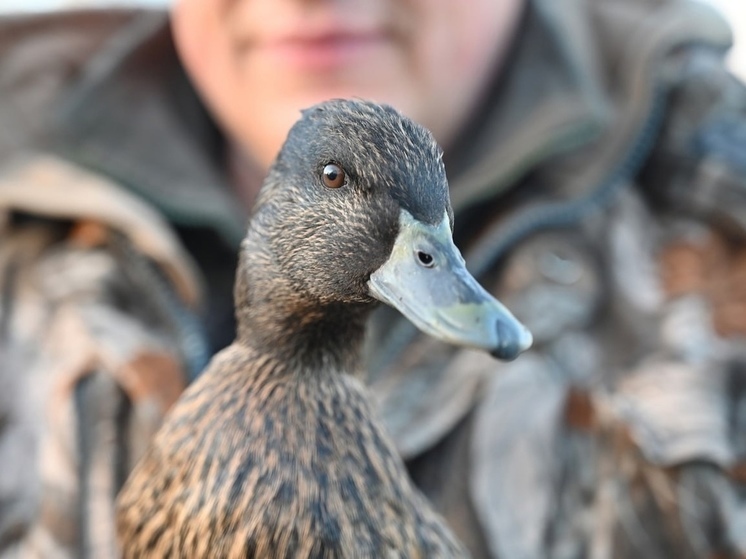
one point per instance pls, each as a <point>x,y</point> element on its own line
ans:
<point>45,54</point>
<point>622,9</point>
<point>66,27</point>
<point>66,37</point>
<point>61,42</point>
<point>633,28</point>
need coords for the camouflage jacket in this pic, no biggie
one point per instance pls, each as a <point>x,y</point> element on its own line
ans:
<point>600,193</point>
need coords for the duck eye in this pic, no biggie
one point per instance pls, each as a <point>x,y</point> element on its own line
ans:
<point>333,176</point>
<point>425,259</point>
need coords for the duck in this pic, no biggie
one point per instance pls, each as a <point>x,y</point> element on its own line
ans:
<point>276,450</point>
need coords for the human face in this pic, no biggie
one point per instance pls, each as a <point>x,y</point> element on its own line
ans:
<point>258,62</point>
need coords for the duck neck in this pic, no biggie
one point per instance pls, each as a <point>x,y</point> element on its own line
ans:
<point>275,318</point>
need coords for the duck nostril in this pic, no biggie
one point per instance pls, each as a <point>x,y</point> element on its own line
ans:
<point>425,259</point>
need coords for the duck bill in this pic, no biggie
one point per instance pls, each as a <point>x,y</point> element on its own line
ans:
<point>425,278</point>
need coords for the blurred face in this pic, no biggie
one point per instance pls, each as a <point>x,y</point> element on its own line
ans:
<point>258,62</point>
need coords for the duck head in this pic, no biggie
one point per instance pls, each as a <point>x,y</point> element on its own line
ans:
<point>355,210</point>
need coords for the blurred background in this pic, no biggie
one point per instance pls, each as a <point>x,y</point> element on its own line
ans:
<point>734,10</point>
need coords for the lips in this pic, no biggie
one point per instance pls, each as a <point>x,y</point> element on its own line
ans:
<point>322,51</point>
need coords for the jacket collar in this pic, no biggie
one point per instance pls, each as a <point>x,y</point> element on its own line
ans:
<point>547,100</point>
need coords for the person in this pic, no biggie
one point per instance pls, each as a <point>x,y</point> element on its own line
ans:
<point>596,156</point>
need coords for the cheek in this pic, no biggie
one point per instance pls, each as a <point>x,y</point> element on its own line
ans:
<point>460,37</point>
<point>207,47</point>
<point>457,49</point>
<point>203,46</point>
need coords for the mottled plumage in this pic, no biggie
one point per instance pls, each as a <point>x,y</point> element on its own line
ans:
<point>276,451</point>
<point>259,460</point>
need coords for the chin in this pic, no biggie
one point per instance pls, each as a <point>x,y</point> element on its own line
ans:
<point>269,121</point>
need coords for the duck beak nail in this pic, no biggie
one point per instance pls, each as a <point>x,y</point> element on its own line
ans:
<point>513,339</point>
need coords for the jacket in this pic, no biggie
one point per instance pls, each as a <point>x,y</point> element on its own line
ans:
<point>598,191</point>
